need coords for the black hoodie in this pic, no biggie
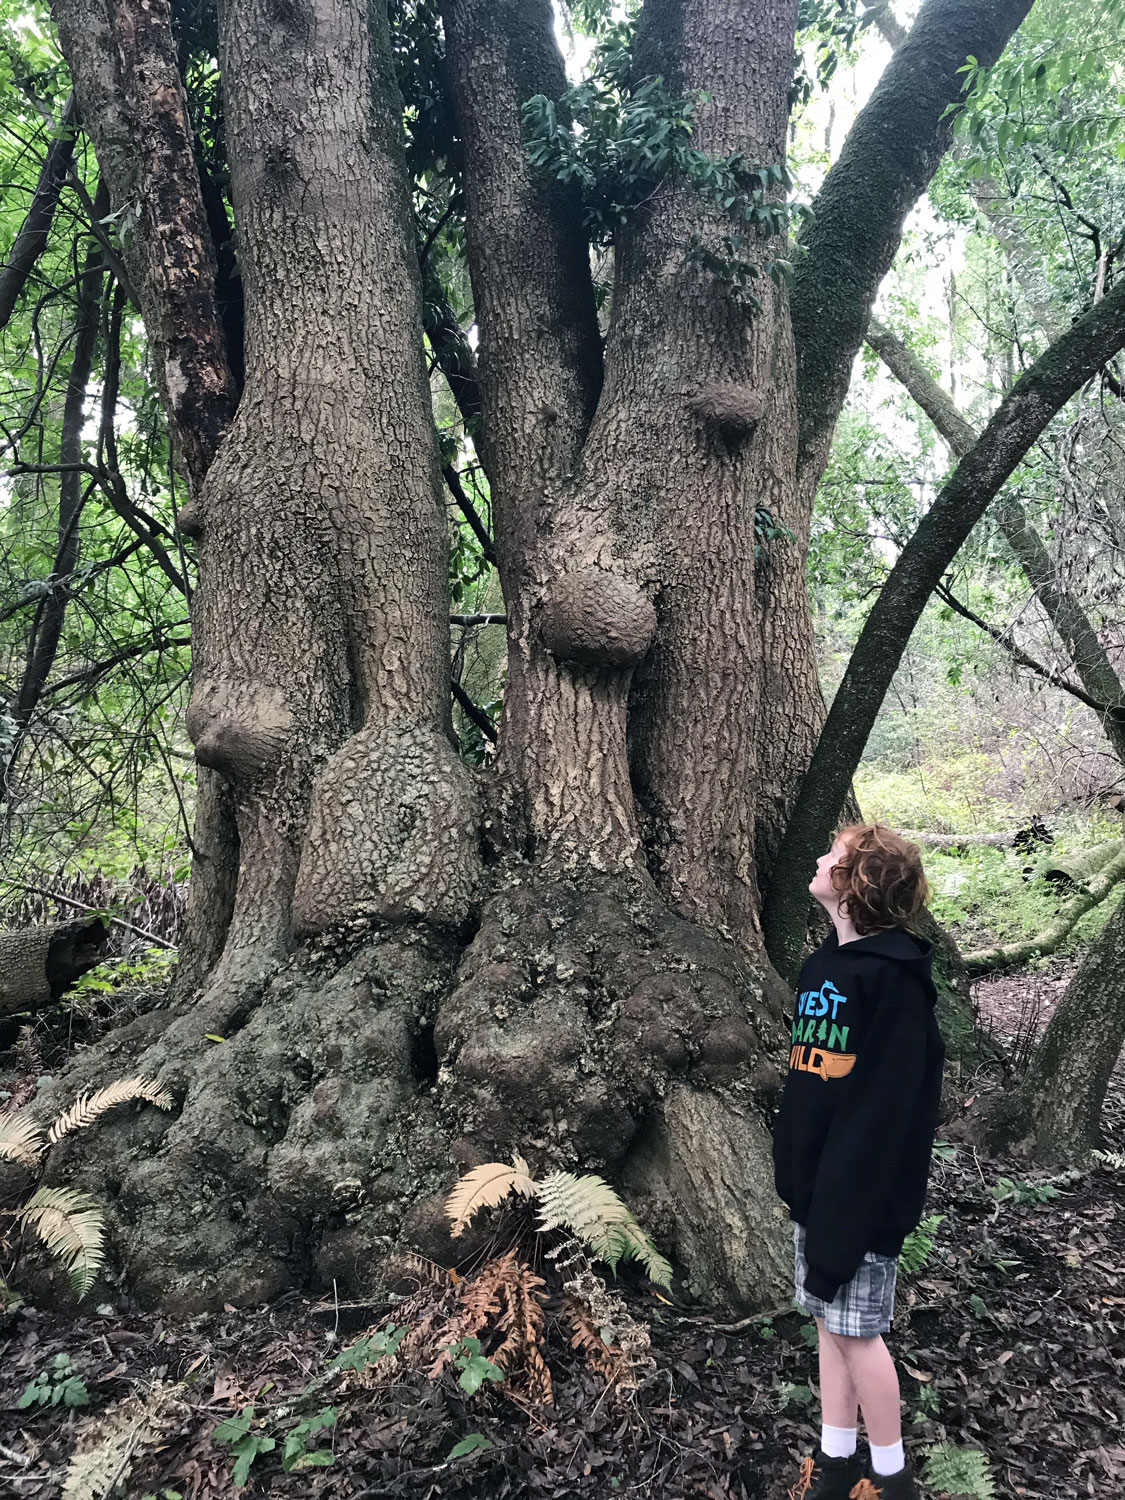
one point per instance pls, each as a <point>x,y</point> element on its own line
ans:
<point>852,1140</point>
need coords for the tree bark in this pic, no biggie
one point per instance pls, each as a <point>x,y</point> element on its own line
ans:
<point>1037,397</point>
<point>134,110</point>
<point>39,964</point>
<point>604,1000</point>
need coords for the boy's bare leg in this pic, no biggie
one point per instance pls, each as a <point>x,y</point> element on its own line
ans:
<point>872,1371</point>
<point>839,1400</point>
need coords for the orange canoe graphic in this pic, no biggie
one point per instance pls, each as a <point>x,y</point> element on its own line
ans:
<point>827,1064</point>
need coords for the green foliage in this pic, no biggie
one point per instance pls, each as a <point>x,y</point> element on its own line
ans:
<point>244,1436</point>
<point>57,1384</point>
<point>296,1453</point>
<point>474,1442</point>
<point>918,1245</point>
<point>590,1209</point>
<point>791,1394</point>
<point>475,1369</point>
<point>369,1349</point>
<point>959,1471</point>
<point>929,1403</point>
<point>827,34</point>
<point>809,1334</point>
<point>615,140</point>
<point>1011,1190</point>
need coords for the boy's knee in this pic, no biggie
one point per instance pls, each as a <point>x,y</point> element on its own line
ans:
<point>850,1343</point>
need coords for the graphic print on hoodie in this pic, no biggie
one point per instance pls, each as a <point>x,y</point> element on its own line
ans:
<point>854,1134</point>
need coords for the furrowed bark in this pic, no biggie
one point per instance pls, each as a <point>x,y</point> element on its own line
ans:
<point>1035,399</point>
<point>540,375</point>
<point>321,682</point>
<point>698,399</point>
<point>31,240</point>
<point>1092,665</point>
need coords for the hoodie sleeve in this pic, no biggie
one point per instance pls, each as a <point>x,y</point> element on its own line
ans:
<point>857,1168</point>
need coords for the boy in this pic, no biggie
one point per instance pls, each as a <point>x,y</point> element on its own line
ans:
<point>852,1146</point>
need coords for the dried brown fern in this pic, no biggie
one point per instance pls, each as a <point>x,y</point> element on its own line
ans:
<point>110,1444</point>
<point>21,1139</point>
<point>406,1266</point>
<point>87,1107</point>
<point>478,1304</point>
<point>607,1358</point>
<point>485,1187</point>
<point>522,1323</point>
<point>607,1311</point>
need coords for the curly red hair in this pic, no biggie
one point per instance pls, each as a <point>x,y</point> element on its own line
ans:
<point>880,880</point>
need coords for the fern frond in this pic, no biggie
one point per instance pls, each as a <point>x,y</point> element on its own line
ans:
<point>72,1228</point>
<point>959,1471</point>
<point>590,1208</point>
<point>405,1264</point>
<point>110,1444</point>
<point>21,1139</point>
<point>87,1107</point>
<point>604,1356</point>
<point>521,1321</point>
<point>484,1187</point>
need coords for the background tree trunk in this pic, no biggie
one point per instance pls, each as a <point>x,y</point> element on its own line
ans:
<point>1053,1115</point>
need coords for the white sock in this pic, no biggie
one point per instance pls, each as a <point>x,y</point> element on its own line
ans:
<point>888,1460</point>
<point>837,1442</point>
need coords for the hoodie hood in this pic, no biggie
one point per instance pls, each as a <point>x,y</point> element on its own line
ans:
<point>901,947</point>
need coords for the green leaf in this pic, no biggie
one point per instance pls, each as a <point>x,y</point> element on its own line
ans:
<point>471,1444</point>
<point>475,1371</point>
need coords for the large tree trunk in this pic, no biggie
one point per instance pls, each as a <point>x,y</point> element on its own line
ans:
<point>598,993</point>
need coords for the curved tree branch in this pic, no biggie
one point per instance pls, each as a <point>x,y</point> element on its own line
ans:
<point>1102,687</point>
<point>31,240</point>
<point>891,152</point>
<point>1031,404</point>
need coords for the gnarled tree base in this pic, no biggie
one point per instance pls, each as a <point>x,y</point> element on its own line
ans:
<point>583,1025</point>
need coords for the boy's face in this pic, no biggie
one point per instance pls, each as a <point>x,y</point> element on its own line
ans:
<point>820,886</point>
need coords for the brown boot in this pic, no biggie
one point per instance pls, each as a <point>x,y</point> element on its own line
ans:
<point>900,1486</point>
<point>824,1478</point>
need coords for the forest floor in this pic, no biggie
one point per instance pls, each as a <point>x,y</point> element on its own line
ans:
<point>1011,1340</point>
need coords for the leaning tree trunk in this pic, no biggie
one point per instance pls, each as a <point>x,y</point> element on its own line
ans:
<point>613,1008</point>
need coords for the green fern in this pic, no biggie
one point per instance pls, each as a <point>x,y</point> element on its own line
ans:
<point>590,1209</point>
<point>71,1227</point>
<point>1115,1160</point>
<point>959,1471</point>
<point>918,1245</point>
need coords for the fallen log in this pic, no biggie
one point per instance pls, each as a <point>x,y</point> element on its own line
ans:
<point>1076,870</point>
<point>962,840</point>
<point>1011,955</point>
<point>39,964</point>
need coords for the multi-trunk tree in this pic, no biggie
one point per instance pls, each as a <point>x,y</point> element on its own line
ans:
<point>395,963</point>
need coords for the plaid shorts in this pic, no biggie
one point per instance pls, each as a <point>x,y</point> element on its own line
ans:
<point>864,1306</point>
